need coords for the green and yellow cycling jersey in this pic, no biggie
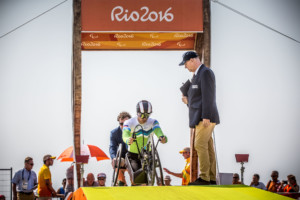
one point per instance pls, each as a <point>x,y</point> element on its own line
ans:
<point>142,132</point>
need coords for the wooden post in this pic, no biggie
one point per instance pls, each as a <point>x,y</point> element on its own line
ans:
<point>202,47</point>
<point>199,45</point>
<point>193,158</point>
<point>206,32</point>
<point>76,80</point>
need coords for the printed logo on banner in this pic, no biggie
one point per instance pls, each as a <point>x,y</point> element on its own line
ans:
<point>142,15</point>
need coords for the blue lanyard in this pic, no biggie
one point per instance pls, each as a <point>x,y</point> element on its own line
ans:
<point>23,175</point>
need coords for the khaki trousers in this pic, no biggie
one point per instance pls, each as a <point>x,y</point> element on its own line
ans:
<point>45,198</point>
<point>21,196</point>
<point>204,146</point>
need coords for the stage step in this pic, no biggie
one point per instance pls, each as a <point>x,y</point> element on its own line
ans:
<point>216,192</point>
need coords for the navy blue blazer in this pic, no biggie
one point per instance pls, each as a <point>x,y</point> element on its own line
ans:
<point>202,97</point>
<point>115,140</point>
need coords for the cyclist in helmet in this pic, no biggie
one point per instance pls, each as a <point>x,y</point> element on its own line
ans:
<point>142,125</point>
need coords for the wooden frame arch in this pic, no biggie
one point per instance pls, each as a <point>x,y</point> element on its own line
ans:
<point>202,47</point>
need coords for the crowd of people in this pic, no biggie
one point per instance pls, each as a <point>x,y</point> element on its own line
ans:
<point>273,185</point>
<point>91,182</point>
<point>25,181</point>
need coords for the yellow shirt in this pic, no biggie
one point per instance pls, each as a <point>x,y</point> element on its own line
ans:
<point>44,174</point>
<point>186,173</point>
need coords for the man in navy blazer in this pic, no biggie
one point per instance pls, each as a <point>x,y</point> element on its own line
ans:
<point>116,140</point>
<point>203,115</point>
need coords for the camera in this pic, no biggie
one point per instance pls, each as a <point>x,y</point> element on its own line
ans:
<point>284,181</point>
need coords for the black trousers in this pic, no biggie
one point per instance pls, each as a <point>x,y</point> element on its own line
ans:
<point>134,160</point>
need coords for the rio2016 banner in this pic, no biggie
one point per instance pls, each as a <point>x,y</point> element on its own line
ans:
<point>142,15</point>
<point>138,41</point>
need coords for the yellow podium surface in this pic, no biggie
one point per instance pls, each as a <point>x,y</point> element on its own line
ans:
<point>228,192</point>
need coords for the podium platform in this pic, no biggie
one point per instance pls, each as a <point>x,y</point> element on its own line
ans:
<point>227,192</point>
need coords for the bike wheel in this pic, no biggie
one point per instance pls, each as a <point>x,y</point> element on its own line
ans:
<point>153,165</point>
<point>158,167</point>
<point>117,166</point>
<point>151,172</point>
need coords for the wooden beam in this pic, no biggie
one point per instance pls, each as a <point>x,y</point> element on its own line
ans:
<point>193,157</point>
<point>76,80</point>
<point>199,45</point>
<point>206,32</point>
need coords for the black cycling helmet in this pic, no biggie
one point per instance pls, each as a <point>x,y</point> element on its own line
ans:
<point>144,109</point>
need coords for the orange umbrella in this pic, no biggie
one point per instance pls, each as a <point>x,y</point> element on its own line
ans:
<point>90,150</point>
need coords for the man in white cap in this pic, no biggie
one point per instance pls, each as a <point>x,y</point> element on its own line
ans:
<point>45,189</point>
<point>185,174</point>
<point>167,180</point>
<point>101,179</point>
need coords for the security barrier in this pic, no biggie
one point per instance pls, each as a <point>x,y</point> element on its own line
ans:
<point>5,183</point>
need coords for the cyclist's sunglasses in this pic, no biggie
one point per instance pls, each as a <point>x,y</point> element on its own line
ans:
<point>144,115</point>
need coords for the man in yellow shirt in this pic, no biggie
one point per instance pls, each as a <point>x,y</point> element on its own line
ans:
<point>45,189</point>
<point>185,174</point>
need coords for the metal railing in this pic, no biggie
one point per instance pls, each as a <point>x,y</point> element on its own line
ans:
<point>5,183</point>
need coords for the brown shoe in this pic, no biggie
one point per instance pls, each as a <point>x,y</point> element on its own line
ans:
<point>200,181</point>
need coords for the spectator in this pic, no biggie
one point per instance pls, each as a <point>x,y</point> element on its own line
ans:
<point>62,189</point>
<point>274,184</point>
<point>290,185</point>
<point>90,181</point>
<point>45,188</point>
<point>70,180</point>
<point>24,181</point>
<point>167,180</point>
<point>236,179</point>
<point>203,115</point>
<point>101,179</point>
<point>115,141</point>
<point>2,197</point>
<point>158,181</point>
<point>185,174</point>
<point>255,183</point>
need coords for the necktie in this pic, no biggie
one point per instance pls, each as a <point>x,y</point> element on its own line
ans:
<point>193,78</point>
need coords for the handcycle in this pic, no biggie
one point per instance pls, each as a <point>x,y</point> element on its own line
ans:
<point>150,163</point>
<point>117,166</point>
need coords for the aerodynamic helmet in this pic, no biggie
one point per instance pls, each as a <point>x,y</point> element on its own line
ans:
<point>144,109</point>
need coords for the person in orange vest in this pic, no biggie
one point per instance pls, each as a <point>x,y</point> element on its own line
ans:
<point>290,185</point>
<point>185,174</point>
<point>274,184</point>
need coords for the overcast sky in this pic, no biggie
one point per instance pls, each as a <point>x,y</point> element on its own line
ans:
<point>257,74</point>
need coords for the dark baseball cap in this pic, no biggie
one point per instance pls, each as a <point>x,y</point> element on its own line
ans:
<point>187,56</point>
